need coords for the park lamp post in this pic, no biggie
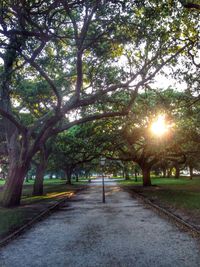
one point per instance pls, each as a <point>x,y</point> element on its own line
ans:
<point>102,163</point>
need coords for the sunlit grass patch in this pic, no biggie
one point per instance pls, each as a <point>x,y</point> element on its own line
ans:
<point>46,197</point>
<point>54,189</point>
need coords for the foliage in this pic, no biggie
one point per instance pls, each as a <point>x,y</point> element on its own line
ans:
<point>64,62</point>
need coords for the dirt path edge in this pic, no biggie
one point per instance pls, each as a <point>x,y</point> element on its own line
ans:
<point>179,222</point>
<point>37,218</point>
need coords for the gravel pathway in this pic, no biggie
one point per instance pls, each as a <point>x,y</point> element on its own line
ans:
<point>86,232</point>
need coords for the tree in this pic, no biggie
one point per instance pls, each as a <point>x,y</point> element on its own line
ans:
<point>133,140</point>
<point>74,148</point>
<point>58,40</point>
<point>44,154</point>
<point>189,123</point>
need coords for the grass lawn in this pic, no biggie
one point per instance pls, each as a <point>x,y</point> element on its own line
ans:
<point>162,181</point>
<point>181,196</point>
<point>13,218</point>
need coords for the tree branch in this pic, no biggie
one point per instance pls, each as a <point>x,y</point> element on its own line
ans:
<point>192,6</point>
<point>46,77</point>
<point>165,62</point>
<point>87,119</point>
<point>12,119</point>
<point>67,9</point>
<point>86,24</point>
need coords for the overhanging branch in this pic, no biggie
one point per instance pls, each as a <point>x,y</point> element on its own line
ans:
<point>12,119</point>
<point>87,119</point>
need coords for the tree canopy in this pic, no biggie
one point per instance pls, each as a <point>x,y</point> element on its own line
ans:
<point>64,63</point>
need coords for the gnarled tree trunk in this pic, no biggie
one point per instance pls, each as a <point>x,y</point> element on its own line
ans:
<point>14,183</point>
<point>18,160</point>
<point>146,175</point>
<point>13,187</point>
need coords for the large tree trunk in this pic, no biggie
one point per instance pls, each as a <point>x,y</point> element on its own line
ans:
<point>68,172</point>
<point>39,179</point>
<point>146,176</point>
<point>177,171</point>
<point>13,186</point>
<point>18,166</point>
<point>191,171</point>
<point>18,159</point>
<point>69,178</point>
<point>19,162</point>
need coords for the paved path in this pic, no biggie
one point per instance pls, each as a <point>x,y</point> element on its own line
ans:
<point>86,232</point>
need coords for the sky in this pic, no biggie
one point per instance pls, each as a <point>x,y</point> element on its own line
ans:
<point>163,82</point>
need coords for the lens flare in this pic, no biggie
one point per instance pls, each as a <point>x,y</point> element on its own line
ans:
<point>159,127</point>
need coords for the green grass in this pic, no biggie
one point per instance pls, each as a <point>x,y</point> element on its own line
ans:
<point>49,181</point>
<point>10,220</point>
<point>2,182</point>
<point>183,199</point>
<point>130,181</point>
<point>116,177</point>
<point>162,181</point>
<point>13,218</point>
<point>180,194</point>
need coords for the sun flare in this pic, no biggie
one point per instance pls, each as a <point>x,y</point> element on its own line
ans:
<point>159,127</point>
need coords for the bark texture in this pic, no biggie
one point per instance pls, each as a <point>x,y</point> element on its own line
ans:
<point>13,186</point>
<point>191,172</point>
<point>177,171</point>
<point>146,176</point>
<point>68,173</point>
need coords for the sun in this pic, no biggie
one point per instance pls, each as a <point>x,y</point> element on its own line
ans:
<point>159,127</point>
